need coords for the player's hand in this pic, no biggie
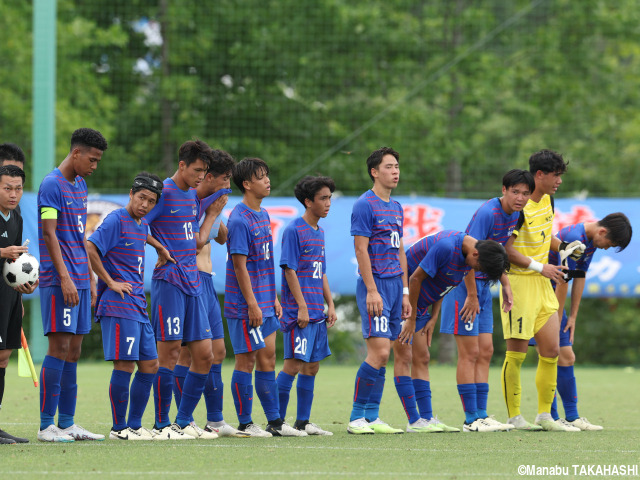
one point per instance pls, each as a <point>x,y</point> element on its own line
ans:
<point>69,292</point>
<point>428,330</point>
<point>14,251</point>
<point>571,327</point>
<point>121,288</point>
<point>406,306</point>
<point>331,316</point>
<point>507,298</point>
<point>408,329</point>
<point>255,315</point>
<point>303,316</point>
<point>94,293</point>
<point>470,308</point>
<point>374,304</point>
<point>278,308</point>
<point>573,250</point>
<point>554,272</point>
<point>216,207</point>
<point>27,289</point>
<point>163,257</point>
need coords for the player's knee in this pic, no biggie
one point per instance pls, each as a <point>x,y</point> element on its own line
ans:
<point>421,358</point>
<point>486,353</point>
<point>567,357</point>
<point>4,362</point>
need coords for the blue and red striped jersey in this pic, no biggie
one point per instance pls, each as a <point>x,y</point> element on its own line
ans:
<point>249,234</point>
<point>440,256</point>
<point>491,222</point>
<point>70,200</point>
<point>382,223</point>
<point>121,241</point>
<point>173,222</point>
<point>303,251</point>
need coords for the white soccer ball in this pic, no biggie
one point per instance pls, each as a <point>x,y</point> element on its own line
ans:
<point>24,269</point>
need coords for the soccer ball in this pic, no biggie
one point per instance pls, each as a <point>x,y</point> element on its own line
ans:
<point>24,269</point>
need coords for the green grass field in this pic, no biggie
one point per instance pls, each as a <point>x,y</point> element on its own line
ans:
<point>608,396</point>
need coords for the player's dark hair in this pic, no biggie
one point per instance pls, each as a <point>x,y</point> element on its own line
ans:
<point>493,259</point>
<point>193,150</point>
<point>516,177</point>
<point>88,137</point>
<point>221,163</point>
<point>375,159</point>
<point>12,171</point>
<point>147,181</point>
<point>547,161</point>
<point>246,169</point>
<point>11,151</point>
<point>308,186</point>
<point>618,229</point>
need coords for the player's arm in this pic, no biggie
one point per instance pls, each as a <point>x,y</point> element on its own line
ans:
<point>164,255</point>
<point>576,296</point>
<point>409,324</point>
<point>331,308</point>
<point>507,294</point>
<point>92,279</point>
<point>471,305</point>
<point>406,306</point>
<point>223,232</point>
<point>294,286</point>
<point>212,212</point>
<point>553,272</point>
<point>374,300</point>
<point>244,282</point>
<point>69,290</point>
<point>431,324</point>
<point>98,267</point>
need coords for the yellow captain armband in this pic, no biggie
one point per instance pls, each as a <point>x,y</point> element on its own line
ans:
<point>48,213</point>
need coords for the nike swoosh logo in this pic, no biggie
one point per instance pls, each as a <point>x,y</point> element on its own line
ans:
<point>257,233</point>
<point>307,251</point>
<point>128,244</point>
<point>174,211</point>
<point>531,222</point>
<point>449,273</point>
<point>69,203</point>
<point>380,221</point>
<point>207,330</point>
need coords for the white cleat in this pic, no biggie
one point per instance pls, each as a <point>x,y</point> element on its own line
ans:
<point>313,429</point>
<point>481,425</point>
<point>504,427</point>
<point>170,432</point>
<point>223,429</point>
<point>196,432</point>
<point>285,430</point>
<point>567,425</point>
<point>422,425</point>
<point>131,434</point>
<point>54,434</point>
<point>79,433</point>
<point>583,424</point>
<point>254,430</point>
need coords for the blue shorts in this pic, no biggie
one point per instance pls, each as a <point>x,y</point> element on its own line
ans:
<point>388,324</point>
<point>58,317</point>
<point>245,338</point>
<point>452,304</point>
<point>565,337</point>
<point>309,344</point>
<point>126,339</point>
<point>212,305</point>
<point>177,316</point>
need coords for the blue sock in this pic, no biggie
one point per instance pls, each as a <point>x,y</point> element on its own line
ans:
<point>179,375</point>
<point>50,375</point>
<point>213,390</point>
<point>568,392</point>
<point>482,395</point>
<point>468,396</point>
<point>554,407</point>
<point>372,410</point>
<point>404,387</point>
<point>119,398</point>
<point>423,397</point>
<point>68,395</point>
<point>304,389</point>
<point>191,392</point>
<point>267,390</point>
<point>365,380</point>
<point>285,382</point>
<point>242,392</point>
<point>162,393</point>
<point>138,397</point>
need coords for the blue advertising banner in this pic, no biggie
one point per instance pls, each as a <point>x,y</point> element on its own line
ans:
<point>611,274</point>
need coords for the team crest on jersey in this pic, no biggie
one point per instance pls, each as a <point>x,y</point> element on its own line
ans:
<point>194,211</point>
<point>549,218</point>
<point>84,202</point>
<point>510,231</point>
<point>269,230</point>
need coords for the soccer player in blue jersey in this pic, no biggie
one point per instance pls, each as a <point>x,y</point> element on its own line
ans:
<point>305,288</point>
<point>67,288</point>
<point>437,264</point>
<point>381,293</point>
<point>178,312</point>
<point>212,195</point>
<point>11,247</point>
<point>615,231</point>
<point>467,311</point>
<point>116,253</point>
<point>251,306</point>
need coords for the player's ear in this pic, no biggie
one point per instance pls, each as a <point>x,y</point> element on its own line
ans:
<point>504,190</point>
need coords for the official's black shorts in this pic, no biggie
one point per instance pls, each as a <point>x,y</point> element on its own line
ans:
<point>10,318</point>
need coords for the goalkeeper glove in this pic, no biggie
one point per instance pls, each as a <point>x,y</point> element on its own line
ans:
<point>573,250</point>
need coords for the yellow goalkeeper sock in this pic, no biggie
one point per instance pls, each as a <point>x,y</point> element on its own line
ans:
<point>511,386</point>
<point>546,382</point>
